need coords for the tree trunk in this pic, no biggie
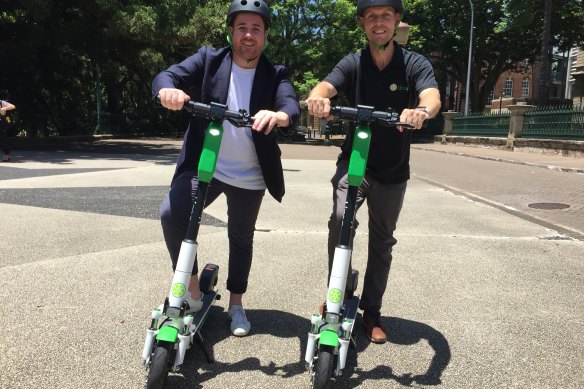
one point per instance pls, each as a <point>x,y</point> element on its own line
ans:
<point>542,93</point>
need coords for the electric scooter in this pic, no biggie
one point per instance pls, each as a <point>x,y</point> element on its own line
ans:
<point>172,331</point>
<point>331,333</point>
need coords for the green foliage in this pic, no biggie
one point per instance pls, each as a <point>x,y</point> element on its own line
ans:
<point>311,37</point>
<point>61,60</point>
<point>309,82</point>
<point>506,32</point>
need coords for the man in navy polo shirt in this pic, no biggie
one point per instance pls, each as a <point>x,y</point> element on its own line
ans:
<point>381,75</point>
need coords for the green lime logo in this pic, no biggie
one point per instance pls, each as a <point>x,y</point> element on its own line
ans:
<point>178,290</point>
<point>395,87</point>
<point>335,295</point>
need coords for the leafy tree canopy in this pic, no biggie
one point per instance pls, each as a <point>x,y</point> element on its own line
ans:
<point>63,61</point>
<point>506,32</point>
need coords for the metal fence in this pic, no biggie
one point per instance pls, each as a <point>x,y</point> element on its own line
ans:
<point>554,123</point>
<point>481,124</point>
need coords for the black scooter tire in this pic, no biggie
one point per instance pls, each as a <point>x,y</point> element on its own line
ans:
<point>159,367</point>
<point>323,368</point>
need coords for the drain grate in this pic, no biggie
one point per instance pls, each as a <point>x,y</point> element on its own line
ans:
<point>548,206</point>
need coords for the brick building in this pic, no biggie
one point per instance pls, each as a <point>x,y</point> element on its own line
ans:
<point>522,84</point>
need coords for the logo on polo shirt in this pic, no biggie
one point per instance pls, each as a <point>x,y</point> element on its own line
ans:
<point>396,87</point>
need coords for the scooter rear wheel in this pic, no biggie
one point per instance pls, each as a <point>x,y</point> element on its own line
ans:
<point>323,368</point>
<point>159,367</point>
<point>208,278</point>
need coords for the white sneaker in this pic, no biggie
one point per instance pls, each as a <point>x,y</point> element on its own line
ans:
<point>195,305</point>
<point>239,324</point>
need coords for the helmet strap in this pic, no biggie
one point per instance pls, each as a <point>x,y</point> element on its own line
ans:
<point>228,34</point>
<point>381,47</point>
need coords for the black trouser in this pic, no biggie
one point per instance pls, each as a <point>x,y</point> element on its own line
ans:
<point>384,202</point>
<point>4,136</point>
<point>243,206</point>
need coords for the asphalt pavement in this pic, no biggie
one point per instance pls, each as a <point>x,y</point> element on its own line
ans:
<point>485,290</point>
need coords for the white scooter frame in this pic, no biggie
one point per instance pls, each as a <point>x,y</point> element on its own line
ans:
<point>330,334</point>
<point>172,331</point>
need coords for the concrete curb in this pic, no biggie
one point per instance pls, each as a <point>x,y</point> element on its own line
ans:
<point>551,167</point>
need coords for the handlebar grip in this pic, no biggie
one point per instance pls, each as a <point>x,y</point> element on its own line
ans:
<point>198,108</point>
<point>344,112</point>
<point>191,106</point>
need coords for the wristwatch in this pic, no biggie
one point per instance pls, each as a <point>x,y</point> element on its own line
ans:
<point>425,109</point>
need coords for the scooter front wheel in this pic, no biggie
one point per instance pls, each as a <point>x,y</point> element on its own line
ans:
<point>323,368</point>
<point>159,367</point>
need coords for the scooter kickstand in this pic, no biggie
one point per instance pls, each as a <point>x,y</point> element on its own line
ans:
<point>201,342</point>
<point>352,342</point>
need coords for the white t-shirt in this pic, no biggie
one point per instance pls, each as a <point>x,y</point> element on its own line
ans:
<point>237,164</point>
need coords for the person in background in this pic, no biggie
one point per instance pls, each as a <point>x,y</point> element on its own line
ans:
<point>5,106</point>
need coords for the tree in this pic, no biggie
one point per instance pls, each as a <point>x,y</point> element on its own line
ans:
<point>60,57</point>
<point>506,33</point>
<point>310,37</point>
<point>542,96</point>
<point>61,60</point>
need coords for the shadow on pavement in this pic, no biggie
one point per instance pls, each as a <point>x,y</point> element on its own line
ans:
<point>264,322</point>
<point>68,157</point>
<point>401,332</point>
<point>12,173</point>
<point>285,325</point>
<point>127,146</point>
<point>140,202</point>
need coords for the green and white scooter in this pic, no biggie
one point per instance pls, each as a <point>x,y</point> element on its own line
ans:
<point>331,333</point>
<point>172,331</point>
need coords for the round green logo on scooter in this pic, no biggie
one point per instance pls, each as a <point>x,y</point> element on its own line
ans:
<point>178,290</point>
<point>335,295</point>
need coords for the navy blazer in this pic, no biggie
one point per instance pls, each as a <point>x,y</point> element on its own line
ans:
<point>205,76</point>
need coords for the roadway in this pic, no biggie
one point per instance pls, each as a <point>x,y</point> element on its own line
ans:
<point>485,291</point>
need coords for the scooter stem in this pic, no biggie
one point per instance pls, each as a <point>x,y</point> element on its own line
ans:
<point>206,169</point>
<point>197,211</point>
<point>347,227</point>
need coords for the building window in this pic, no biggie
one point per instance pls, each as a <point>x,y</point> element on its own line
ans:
<point>525,87</point>
<point>508,90</point>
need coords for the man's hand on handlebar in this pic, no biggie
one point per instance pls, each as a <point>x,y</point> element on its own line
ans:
<point>319,107</point>
<point>173,99</point>
<point>265,121</point>
<point>414,116</point>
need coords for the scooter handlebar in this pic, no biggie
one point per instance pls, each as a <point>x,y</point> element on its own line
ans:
<point>217,112</point>
<point>363,113</point>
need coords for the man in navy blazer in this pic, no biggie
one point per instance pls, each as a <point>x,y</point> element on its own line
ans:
<point>241,77</point>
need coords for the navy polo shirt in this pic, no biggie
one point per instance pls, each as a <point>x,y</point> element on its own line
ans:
<point>397,86</point>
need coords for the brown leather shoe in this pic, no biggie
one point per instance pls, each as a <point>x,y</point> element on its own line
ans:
<point>322,308</point>
<point>375,332</point>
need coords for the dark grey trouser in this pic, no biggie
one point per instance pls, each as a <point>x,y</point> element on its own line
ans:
<point>4,135</point>
<point>384,202</point>
<point>243,206</point>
